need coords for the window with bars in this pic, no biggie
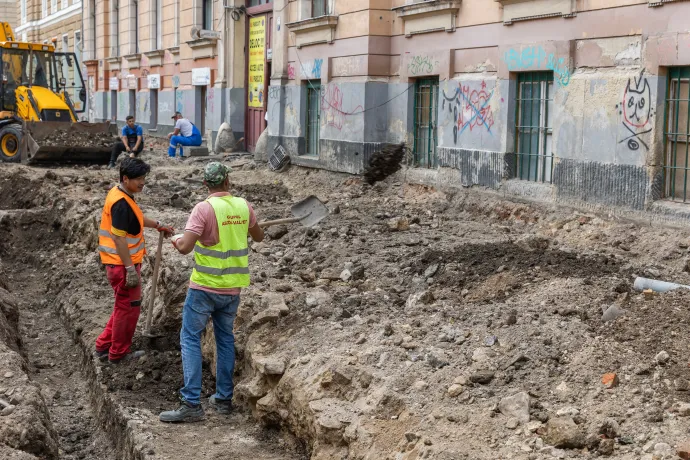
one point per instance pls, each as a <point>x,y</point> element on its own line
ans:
<point>677,129</point>
<point>319,8</point>
<point>534,123</point>
<point>313,117</point>
<point>425,122</point>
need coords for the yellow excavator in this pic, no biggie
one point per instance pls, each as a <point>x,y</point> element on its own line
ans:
<point>42,96</point>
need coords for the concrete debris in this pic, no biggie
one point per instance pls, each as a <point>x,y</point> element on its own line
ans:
<point>516,406</point>
<point>398,224</point>
<point>564,433</point>
<point>612,313</point>
<point>662,357</point>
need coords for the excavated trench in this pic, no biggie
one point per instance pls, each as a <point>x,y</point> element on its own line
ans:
<point>62,403</point>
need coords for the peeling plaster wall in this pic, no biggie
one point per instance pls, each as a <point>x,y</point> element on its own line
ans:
<point>606,115</point>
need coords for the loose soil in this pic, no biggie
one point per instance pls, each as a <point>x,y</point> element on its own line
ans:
<point>393,330</point>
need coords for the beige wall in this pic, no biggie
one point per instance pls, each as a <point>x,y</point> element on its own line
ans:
<point>9,12</point>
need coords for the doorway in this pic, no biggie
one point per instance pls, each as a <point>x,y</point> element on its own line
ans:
<point>113,105</point>
<point>425,122</point>
<point>153,103</point>
<point>313,135</point>
<point>201,103</point>
<point>259,39</point>
<point>132,103</point>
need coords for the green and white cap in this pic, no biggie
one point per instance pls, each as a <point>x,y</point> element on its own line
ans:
<point>215,173</point>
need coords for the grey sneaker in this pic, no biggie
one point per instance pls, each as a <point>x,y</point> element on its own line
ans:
<point>101,355</point>
<point>186,413</point>
<point>222,406</point>
<point>128,357</point>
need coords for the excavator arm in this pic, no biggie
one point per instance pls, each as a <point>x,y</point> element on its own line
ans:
<point>6,34</point>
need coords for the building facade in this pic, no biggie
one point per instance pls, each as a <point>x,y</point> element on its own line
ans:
<point>9,12</point>
<point>568,100</point>
<point>57,22</point>
<point>150,58</point>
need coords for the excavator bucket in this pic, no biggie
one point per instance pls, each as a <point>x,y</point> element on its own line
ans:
<point>59,142</point>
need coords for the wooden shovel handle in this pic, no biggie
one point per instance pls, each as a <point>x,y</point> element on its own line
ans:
<point>289,220</point>
<point>156,267</point>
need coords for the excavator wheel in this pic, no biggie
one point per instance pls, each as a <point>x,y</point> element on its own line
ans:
<point>10,137</point>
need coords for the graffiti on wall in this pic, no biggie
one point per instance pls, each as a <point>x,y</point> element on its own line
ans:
<point>279,96</point>
<point>211,101</point>
<point>312,69</point>
<point>636,109</point>
<point>471,108</point>
<point>534,57</point>
<point>421,65</point>
<point>333,112</point>
<point>142,104</point>
<point>291,71</point>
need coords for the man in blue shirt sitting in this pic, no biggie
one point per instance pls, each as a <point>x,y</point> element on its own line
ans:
<point>185,133</point>
<point>132,141</point>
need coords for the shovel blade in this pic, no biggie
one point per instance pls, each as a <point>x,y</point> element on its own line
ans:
<point>310,210</point>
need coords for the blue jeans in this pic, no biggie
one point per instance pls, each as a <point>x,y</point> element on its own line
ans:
<point>198,307</point>
<point>192,141</point>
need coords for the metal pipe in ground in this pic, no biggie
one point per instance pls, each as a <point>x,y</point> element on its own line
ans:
<point>642,284</point>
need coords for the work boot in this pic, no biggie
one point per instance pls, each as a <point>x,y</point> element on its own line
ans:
<point>101,355</point>
<point>131,356</point>
<point>111,165</point>
<point>185,413</point>
<point>222,406</point>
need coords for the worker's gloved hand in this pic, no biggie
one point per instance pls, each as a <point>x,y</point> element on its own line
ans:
<point>132,280</point>
<point>166,230</point>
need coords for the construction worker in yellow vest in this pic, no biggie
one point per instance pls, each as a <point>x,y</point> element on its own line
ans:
<point>121,246</point>
<point>217,232</point>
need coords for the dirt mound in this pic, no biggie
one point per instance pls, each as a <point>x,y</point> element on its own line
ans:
<point>62,137</point>
<point>384,162</point>
<point>473,262</point>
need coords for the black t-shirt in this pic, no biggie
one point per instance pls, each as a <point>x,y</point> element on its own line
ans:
<point>123,217</point>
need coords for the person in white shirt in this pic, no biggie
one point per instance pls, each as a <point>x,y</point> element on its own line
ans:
<point>185,134</point>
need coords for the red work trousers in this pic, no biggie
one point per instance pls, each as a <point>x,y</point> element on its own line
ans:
<point>118,333</point>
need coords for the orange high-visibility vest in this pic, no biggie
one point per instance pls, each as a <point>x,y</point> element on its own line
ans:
<point>106,244</point>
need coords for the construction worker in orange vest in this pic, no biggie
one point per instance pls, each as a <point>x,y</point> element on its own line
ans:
<point>122,248</point>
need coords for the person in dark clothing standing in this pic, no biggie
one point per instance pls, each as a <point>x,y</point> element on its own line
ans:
<point>132,141</point>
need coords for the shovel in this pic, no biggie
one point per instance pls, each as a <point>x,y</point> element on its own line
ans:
<point>308,212</point>
<point>149,311</point>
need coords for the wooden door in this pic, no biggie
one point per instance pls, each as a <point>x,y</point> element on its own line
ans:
<point>258,72</point>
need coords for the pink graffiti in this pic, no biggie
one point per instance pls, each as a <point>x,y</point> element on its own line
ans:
<point>291,72</point>
<point>332,107</point>
<point>475,109</point>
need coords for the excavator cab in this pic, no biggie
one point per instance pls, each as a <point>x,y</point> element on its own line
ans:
<point>71,82</point>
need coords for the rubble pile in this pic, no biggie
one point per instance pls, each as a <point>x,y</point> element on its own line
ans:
<point>67,138</point>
